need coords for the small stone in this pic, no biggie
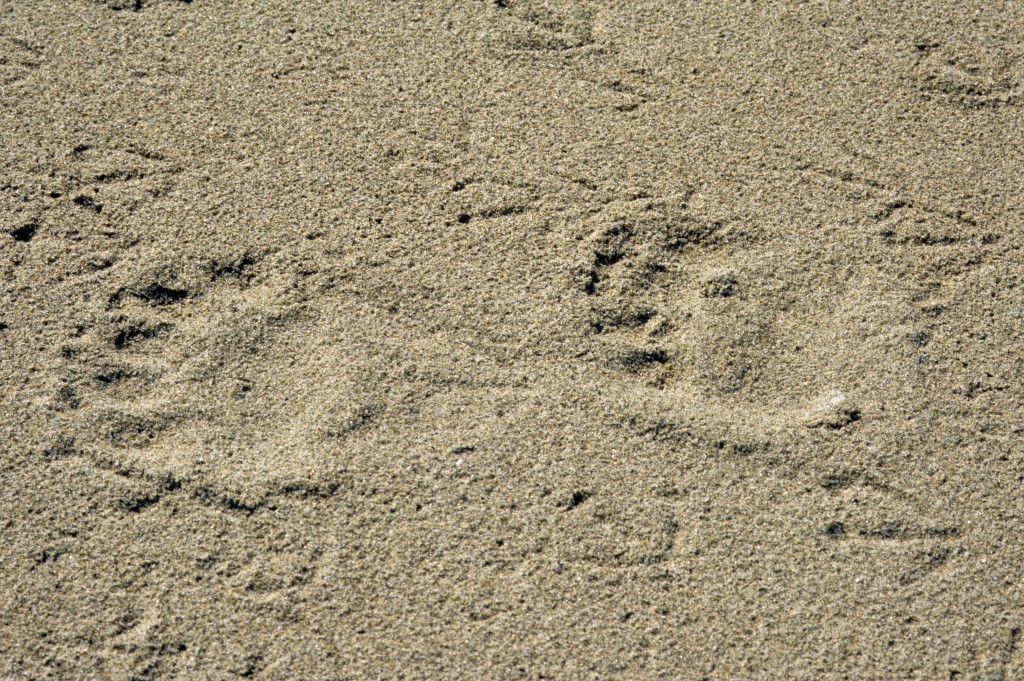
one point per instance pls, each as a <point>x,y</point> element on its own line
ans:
<point>834,411</point>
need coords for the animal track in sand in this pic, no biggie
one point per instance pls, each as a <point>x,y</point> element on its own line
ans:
<point>968,78</point>
<point>666,303</point>
<point>551,26</point>
<point>18,59</point>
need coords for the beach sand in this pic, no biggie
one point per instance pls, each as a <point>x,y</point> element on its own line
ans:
<point>512,339</point>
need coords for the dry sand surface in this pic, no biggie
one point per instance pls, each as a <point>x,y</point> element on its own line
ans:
<point>512,339</point>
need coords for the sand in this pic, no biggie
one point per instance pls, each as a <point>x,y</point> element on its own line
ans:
<point>512,339</point>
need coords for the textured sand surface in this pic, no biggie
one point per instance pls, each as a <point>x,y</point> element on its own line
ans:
<point>453,339</point>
